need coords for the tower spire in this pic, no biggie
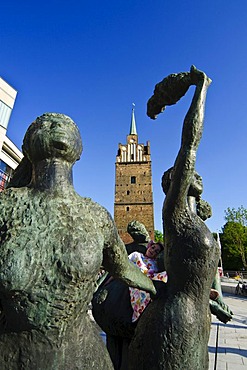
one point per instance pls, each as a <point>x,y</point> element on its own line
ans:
<point>133,121</point>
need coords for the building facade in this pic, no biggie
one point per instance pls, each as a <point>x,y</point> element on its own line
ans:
<point>133,184</point>
<point>10,155</point>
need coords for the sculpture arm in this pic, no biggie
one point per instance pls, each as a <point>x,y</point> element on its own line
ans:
<point>116,262</point>
<point>218,307</point>
<point>168,92</point>
<point>184,166</point>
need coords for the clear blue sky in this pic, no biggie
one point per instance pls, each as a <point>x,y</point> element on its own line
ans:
<point>92,59</point>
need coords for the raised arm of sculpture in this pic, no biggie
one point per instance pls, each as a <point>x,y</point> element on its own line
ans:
<point>175,86</point>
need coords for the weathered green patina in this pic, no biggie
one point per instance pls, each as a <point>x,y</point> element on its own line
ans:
<point>173,331</point>
<point>52,244</point>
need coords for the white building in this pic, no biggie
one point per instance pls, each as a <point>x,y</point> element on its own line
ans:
<point>10,155</point>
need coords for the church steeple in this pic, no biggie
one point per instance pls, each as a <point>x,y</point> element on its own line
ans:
<point>133,121</point>
<point>133,184</point>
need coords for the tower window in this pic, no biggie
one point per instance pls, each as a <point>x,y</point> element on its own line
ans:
<point>127,209</point>
<point>133,179</point>
<point>128,192</point>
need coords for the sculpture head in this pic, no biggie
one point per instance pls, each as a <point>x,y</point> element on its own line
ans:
<point>196,186</point>
<point>52,135</point>
<point>203,209</point>
<point>138,231</point>
<point>166,180</point>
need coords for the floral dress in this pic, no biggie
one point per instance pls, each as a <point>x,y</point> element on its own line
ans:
<point>139,298</point>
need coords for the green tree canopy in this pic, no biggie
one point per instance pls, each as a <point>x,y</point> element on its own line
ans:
<point>234,239</point>
<point>238,215</point>
<point>158,236</point>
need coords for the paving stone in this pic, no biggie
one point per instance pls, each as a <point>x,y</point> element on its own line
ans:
<point>232,337</point>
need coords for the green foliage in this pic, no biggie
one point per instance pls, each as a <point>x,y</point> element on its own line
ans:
<point>234,239</point>
<point>236,215</point>
<point>158,236</point>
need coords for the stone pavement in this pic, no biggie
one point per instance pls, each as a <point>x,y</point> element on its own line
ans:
<point>230,351</point>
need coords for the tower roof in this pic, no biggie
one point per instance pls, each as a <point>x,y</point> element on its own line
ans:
<point>133,122</point>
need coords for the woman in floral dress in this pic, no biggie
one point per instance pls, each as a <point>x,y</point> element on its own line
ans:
<point>147,263</point>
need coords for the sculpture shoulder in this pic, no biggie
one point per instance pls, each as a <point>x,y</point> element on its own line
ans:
<point>21,198</point>
<point>13,193</point>
<point>10,198</point>
<point>102,221</point>
<point>94,209</point>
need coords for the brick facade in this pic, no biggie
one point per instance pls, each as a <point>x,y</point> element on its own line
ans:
<point>133,187</point>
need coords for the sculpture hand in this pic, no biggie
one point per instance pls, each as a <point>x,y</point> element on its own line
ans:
<point>220,310</point>
<point>197,76</point>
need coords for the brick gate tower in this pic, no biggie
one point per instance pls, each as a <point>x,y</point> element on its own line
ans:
<point>133,184</point>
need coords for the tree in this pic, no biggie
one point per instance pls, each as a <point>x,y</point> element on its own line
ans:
<point>236,215</point>
<point>158,236</point>
<point>234,245</point>
<point>234,238</point>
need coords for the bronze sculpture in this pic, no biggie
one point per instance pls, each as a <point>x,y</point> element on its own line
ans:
<point>174,330</point>
<point>53,243</point>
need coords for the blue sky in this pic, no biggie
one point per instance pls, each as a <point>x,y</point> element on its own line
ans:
<point>92,59</point>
